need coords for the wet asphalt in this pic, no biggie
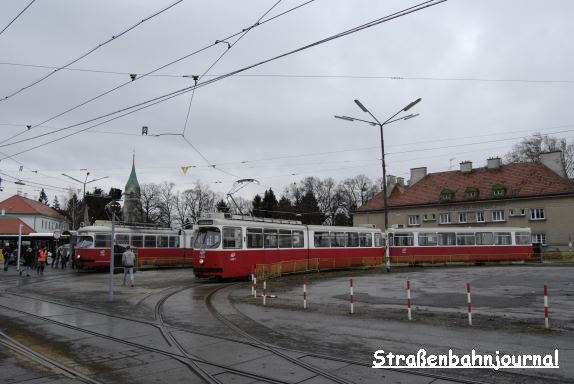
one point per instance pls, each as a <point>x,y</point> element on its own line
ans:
<point>162,331</point>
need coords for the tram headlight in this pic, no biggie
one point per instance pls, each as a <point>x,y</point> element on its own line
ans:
<point>78,257</point>
<point>201,261</point>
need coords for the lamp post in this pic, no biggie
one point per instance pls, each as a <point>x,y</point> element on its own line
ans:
<point>391,119</point>
<point>85,180</point>
<point>112,207</point>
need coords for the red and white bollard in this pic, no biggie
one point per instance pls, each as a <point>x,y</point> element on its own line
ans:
<point>469,303</point>
<point>351,297</point>
<point>254,287</point>
<point>264,292</point>
<point>409,299</point>
<point>305,292</point>
<point>546,321</point>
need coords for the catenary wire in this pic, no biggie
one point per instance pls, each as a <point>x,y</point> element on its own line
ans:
<point>92,50</point>
<point>150,102</point>
<point>318,76</point>
<point>17,16</point>
<point>156,70</point>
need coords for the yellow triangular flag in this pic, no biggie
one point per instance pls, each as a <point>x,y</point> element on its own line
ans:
<point>185,168</point>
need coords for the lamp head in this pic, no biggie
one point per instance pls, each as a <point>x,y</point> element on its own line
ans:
<point>361,106</point>
<point>344,118</point>
<point>412,104</point>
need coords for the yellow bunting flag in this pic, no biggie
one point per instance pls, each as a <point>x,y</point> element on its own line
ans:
<point>185,168</point>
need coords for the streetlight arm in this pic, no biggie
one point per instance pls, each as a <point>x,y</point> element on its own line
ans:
<point>355,119</point>
<point>101,178</point>
<point>70,177</point>
<point>364,109</point>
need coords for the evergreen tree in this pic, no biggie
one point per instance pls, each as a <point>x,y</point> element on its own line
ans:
<point>285,209</point>
<point>56,204</point>
<point>43,197</point>
<point>342,219</point>
<point>269,205</point>
<point>222,206</point>
<point>309,209</point>
<point>96,202</point>
<point>257,206</point>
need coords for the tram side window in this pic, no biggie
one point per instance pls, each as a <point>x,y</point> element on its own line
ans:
<point>322,240</point>
<point>378,239</point>
<point>523,238</point>
<point>404,239</point>
<point>122,240</point>
<point>484,238</point>
<point>502,238</point>
<point>270,238</point>
<point>232,238</point>
<point>465,239</point>
<point>338,239</point>
<point>428,239</point>
<point>162,241</point>
<point>103,240</point>
<point>365,240</point>
<point>446,238</point>
<point>285,240</point>
<point>137,241</point>
<point>150,241</point>
<point>298,239</point>
<point>174,241</point>
<point>254,237</point>
<point>352,239</point>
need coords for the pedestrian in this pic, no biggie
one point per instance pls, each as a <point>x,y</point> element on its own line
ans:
<point>28,261</point>
<point>42,257</point>
<point>128,261</point>
<point>64,256</point>
<point>55,258</point>
<point>7,254</point>
<point>3,260</point>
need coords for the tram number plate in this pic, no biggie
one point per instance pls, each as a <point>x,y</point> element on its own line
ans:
<point>232,256</point>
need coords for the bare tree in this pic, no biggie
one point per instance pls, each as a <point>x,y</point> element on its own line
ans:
<point>200,199</point>
<point>166,203</point>
<point>530,149</point>
<point>358,190</point>
<point>150,202</point>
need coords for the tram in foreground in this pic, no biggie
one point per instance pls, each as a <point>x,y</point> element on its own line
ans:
<point>232,246</point>
<point>154,247</point>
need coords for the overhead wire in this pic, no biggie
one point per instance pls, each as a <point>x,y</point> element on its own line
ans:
<point>150,73</point>
<point>17,16</point>
<point>319,76</point>
<point>150,102</point>
<point>92,50</point>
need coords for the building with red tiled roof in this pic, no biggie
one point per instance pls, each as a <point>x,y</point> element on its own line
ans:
<point>34,214</point>
<point>11,226</point>
<point>539,196</point>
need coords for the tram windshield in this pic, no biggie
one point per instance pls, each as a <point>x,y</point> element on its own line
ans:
<point>207,238</point>
<point>85,242</point>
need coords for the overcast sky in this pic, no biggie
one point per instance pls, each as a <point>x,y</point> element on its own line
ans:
<point>488,71</point>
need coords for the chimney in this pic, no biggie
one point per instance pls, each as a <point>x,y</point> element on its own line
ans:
<point>417,174</point>
<point>466,167</point>
<point>401,181</point>
<point>553,160</point>
<point>391,182</point>
<point>493,163</point>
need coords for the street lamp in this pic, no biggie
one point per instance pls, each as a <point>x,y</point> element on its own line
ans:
<point>391,119</point>
<point>85,180</point>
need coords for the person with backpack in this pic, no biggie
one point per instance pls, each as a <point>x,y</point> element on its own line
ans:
<point>128,262</point>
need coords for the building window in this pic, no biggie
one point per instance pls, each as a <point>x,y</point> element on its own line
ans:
<point>471,193</point>
<point>498,191</point>
<point>429,217</point>
<point>414,220</point>
<point>444,218</point>
<point>517,212</point>
<point>480,217</point>
<point>537,214</point>
<point>498,215</point>
<point>462,217</point>
<point>539,238</point>
<point>446,195</point>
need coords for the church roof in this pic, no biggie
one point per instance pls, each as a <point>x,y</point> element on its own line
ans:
<point>133,184</point>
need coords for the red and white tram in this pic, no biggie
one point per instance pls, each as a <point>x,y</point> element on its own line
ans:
<point>443,245</point>
<point>232,247</point>
<point>154,247</point>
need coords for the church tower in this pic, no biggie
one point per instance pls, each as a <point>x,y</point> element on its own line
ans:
<point>132,209</point>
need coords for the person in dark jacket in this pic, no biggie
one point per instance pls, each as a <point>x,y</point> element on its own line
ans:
<point>28,261</point>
